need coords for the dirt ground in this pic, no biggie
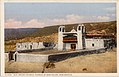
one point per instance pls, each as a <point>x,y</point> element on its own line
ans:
<point>93,63</point>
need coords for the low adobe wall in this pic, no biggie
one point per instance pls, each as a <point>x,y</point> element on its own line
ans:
<point>6,57</point>
<point>22,57</point>
<point>54,57</point>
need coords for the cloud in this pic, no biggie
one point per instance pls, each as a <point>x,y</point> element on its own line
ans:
<point>11,23</point>
<point>110,9</point>
<point>68,19</point>
<point>113,15</point>
<point>74,18</point>
<point>34,23</point>
<point>103,18</point>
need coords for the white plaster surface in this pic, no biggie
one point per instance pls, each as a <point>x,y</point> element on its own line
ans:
<point>23,57</point>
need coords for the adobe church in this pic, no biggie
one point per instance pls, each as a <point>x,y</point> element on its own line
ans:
<point>77,39</point>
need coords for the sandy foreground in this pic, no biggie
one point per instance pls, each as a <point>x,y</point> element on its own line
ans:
<point>93,63</point>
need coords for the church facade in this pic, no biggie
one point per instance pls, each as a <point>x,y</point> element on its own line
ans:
<point>76,39</point>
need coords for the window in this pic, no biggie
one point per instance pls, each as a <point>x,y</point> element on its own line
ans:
<point>63,30</point>
<point>79,28</point>
<point>82,29</point>
<point>30,46</point>
<point>25,46</point>
<point>18,46</point>
<point>60,29</point>
<point>93,44</point>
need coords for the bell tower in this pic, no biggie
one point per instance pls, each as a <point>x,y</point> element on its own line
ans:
<point>80,36</point>
<point>61,29</point>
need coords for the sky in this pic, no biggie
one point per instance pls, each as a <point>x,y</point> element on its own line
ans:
<point>39,15</point>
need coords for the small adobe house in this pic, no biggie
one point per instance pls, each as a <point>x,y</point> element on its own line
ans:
<point>77,39</point>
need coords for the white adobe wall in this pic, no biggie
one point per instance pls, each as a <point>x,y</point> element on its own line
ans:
<point>68,46</point>
<point>25,46</point>
<point>98,43</point>
<point>6,57</point>
<point>35,45</point>
<point>18,46</point>
<point>40,45</point>
<point>29,45</point>
<point>22,57</point>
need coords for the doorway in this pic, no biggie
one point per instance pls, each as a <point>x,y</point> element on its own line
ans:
<point>73,47</point>
<point>11,55</point>
<point>30,46</point>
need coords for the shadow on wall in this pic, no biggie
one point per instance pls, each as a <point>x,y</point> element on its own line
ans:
<point>61,57</point>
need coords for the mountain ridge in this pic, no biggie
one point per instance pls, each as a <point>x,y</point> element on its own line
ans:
<point>14,34</point>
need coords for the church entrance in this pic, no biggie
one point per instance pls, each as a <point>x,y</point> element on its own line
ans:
<point>73,47</point>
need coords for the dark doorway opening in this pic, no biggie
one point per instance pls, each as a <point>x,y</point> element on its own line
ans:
<point>11,55</point>
<point>73,47</point>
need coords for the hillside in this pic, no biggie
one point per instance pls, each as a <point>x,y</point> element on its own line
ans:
<point>49,34</point>
<point>13,34</point>
<point>11,44</point>
<point>97,27</point>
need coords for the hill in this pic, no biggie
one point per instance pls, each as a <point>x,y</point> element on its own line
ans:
<point>104,27</point>
<point>13,34</point>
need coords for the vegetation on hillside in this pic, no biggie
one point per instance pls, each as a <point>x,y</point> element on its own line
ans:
<point>14,34</point>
